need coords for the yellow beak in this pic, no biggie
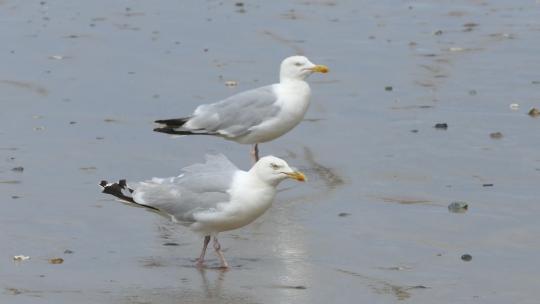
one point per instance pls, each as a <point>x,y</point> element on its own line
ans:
<point>320,69</point>
<point>297,175</point>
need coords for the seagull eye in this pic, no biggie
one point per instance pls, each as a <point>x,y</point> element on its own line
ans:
<point>298,64</point>
<point>274,166</point>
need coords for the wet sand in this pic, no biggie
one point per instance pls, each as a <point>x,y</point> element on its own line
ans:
<point>82,82</point>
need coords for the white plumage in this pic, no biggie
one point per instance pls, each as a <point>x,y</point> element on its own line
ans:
<point>212,197</point>
<point>257,115</point>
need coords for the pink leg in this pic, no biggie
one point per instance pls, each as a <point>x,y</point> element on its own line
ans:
<point>255,153</point>
<point>217,248</point>
<point>200,260</point>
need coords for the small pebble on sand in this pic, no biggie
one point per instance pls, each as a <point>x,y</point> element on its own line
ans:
<point>442,126</point>
<point>496,135</point>
<point>534,112</point>
<point>466,257</point>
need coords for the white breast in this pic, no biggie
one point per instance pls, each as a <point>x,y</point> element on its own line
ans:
<point>293,98</point>
<point>249,200</point>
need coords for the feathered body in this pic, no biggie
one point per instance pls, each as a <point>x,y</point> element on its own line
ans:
<point>212,197</point>
<point>254,116</point>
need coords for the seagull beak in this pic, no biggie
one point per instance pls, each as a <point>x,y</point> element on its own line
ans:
<point>297,175</point>
<point>319,69</point>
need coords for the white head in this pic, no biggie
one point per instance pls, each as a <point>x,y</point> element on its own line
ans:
<point>299,68</point>
<point>273,170</point>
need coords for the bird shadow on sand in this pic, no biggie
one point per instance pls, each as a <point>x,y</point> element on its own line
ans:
<point>383,287</point>
<point>322,179</point>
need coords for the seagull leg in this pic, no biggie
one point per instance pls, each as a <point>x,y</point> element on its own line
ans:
<point>200,260</point>
<point>255,153</point>
<point>217,248</point>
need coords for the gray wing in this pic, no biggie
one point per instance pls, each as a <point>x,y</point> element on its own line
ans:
<point>236,115</point>
<point>200,187</point>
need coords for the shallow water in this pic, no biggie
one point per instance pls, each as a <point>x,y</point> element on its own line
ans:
<point>81,84</point>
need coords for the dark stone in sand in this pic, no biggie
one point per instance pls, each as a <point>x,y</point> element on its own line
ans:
<point>466,257</point>
<point>442,125</point>
<point>534,112</point>
<point>496,135</point>
<point>170,244</point>
<point>458,207</point>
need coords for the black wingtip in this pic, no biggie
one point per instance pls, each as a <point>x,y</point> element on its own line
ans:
<point>122,183</point>
<point>170,130</point>
<point>165,130</point>
<point>174,122</point>
<point>115,189</point>
<point>173,131</point>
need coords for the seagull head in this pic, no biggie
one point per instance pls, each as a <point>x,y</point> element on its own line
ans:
<point>299,68</point>
<point>273,170</point>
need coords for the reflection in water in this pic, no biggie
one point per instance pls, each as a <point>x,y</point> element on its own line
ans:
<point>290,237</point>
<point>212,290</point>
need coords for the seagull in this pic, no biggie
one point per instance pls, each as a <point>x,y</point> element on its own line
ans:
<point>209,198</point>
<point>254,116</point>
